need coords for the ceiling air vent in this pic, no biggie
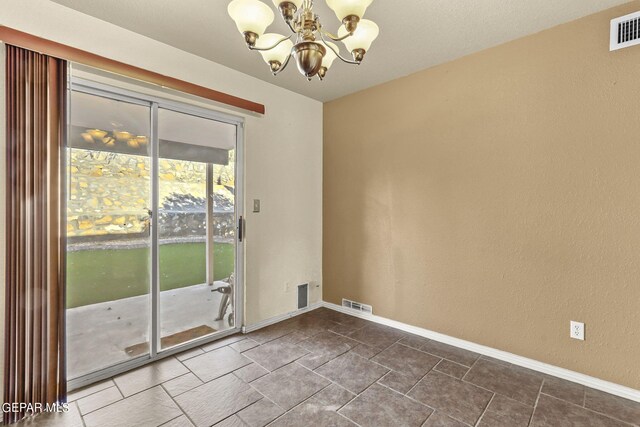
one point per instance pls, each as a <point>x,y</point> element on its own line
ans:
<point>357,306</point>
<point>625,31</point>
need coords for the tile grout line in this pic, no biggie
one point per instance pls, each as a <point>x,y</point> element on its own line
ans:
<point>418,382</point>
<point>484,388</point>
<point>150,387</point>
<point>239,410</point>
<point>321,365</point>
<point>514,399</point>
<point>264,397</point>
<point>113,379</point>
<point>449,375</point>
<point>81,416</point>
<point>248,335</point>
<point>307,399</point>
<point>244,337</point>
<point>397,392</point>
<point>91,385</point>
<point>443,357</point>
<point>470,368</point>
<point>189,370</point>
<point>173,419</point>
<point>270,372</point>
<point>428,418</point>
<point>191,357</point>
<point>109,404</point>
<point>535,405</point>
<point>421,403</point>
<point>612,417</point>
<point>357,395</point>
<point>486,409</point>
<point>404,395</point>
<point>347,418</point>
<point>253,361</point>
<point>177,405</point>
<point>186,391</point>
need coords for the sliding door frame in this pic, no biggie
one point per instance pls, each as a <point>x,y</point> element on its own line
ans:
<point>155,103</point>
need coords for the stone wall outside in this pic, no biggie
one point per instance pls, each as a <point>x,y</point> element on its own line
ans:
<point>109,195</point>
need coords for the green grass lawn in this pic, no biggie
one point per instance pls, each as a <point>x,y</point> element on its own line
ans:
<point>95,276</point>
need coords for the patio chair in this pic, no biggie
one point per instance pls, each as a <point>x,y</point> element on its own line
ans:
<point>227,292</point>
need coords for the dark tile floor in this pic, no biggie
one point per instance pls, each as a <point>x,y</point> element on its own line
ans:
<point>326,368</point>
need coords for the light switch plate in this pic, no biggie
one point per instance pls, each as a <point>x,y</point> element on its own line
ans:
<point>256,205</point>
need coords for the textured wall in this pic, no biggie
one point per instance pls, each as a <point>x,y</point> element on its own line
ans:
<point>497,197</point>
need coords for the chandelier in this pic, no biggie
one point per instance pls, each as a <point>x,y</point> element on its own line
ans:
<point>312,47</point>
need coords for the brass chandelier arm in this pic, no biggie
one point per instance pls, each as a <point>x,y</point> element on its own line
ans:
<point>293,30</point>
<point>335,38</point>
<point>271,47</point>
<point>337,52</point>
<point>283,66</point>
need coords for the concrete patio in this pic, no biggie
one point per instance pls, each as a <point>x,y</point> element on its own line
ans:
<point>98,334</point>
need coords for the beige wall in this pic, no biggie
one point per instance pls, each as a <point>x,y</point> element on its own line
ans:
<point>497,197</point>
<point>284,241</point>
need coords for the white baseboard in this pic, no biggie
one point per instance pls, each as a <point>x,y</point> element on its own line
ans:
<point>280,318</point>
<point>576,377</point>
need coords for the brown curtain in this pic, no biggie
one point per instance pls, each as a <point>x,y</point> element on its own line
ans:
<point>34,370</point>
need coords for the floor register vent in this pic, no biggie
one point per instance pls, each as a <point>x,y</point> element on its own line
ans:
<point>357,306</point>
<point>625,31</point>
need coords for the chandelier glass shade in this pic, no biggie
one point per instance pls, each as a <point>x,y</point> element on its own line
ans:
<point>309,44</point>
<point>344,8</point>
<point>277,55</point>
<point>250,16</point>
<point>361,39</point>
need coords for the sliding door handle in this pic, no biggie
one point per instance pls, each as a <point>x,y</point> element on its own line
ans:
<point>241,229</point>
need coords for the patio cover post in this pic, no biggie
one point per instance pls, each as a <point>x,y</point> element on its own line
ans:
<point>210,230</point>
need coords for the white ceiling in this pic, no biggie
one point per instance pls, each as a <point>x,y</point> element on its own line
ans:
<point>414,34</point>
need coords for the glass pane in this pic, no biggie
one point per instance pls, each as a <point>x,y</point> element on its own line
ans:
<point>108,238</point>
<point>196,226</point>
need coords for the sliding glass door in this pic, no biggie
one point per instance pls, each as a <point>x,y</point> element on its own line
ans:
<point>197,226</point>
<point>108,232</point>
<point>152,251</point>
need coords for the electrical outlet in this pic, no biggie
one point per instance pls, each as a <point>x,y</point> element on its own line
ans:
<point>577,330</point>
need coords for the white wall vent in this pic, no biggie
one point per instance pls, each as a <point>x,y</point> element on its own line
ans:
<point>358,306</point>
<point>625,31</point>
<point>303,296</point>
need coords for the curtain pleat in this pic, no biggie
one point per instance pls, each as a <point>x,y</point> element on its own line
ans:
<point>34,324</point>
